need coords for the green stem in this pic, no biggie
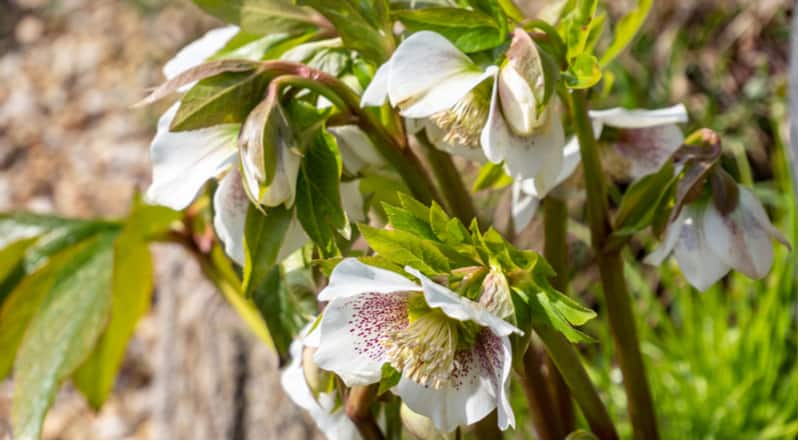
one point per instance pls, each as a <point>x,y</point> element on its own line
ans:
<point>458,199</point>
<point>359,409</point>
<point>566,359</point>
<point>620,312</point>
<point>555,251</point>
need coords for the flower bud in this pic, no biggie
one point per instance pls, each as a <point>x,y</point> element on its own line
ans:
<point>420,426</point>
<point>521,85</point>
<point>496,295</point>
<point>270,159</point>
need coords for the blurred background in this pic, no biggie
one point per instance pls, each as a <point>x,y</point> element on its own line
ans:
<point>723,364</point>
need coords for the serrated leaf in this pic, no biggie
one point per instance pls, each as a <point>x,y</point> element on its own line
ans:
<point>584,72</point>
<point>61,334</point>
<point>626,29</point>
<point>261,16</point>
<point>390,377</point>
<point>402,219</point>
<point>363,26</point>
<point>263,237</point>
<point>469,31</point>
<point>270,299</point>
<point>319,203</point>
<point>225,98</point>
<point>404,248</point>
<point>545,311</point>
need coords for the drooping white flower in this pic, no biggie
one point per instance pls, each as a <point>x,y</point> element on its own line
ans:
<point>332,421</point>
<point>647,139</point>
<point>494,109</point>
<point>707,244</point>
<point>357,151</point>
<point>198,51</point>
<point>454,355</point>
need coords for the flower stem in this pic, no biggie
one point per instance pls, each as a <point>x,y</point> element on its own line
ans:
<point>358,409</point>
<point>487,427</point>
<point>566,359</point>
<point>618,302</point>
<point>555,251</point>
<point>458,199</point>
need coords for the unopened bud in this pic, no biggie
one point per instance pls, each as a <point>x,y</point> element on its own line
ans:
<point>521,85</point>
<point>421,426</point>
<point>496,295</point>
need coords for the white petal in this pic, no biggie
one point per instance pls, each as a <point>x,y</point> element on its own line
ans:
<point>198,51</point>
<point>352,201</point>
<point>646,150</point>
<point>671,236</point>
<point>351,332</point>
<point>378,88</point>
<point>640,118</point>
<point>523,205</point>
<point>548,149</point>
<point>184,161</point>
<point>461,308</point>
<point>230,210</point>
<point>356,148</point>
<point>479,386</point>
<point>436,136</point>
<point>698,263</point>
<point>294,238</point>
<point>572,157</point>
<point>283,187</point>
<point>739,239</point>
<point>351,277</point>
<point>443,95</point>
<point>422,61</point>
<point>335,425</point>
<point>414,125</point>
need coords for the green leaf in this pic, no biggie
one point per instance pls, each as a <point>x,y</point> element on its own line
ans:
<point>226,98</point>
<point>470,31</point>
<point>544,311</point>
<point>642,199</point>
<point>626,29</point>
<point>261,16</point>
<point>270,297</point>
<point>390,377</point>
<point>584,72</point>
<point>404,248</point>
<point>263,237</point>
<point>448,230</point>
<point>363,26</point>
<point>319,203</point>
<point>402,219</point>
<point>491,176</point>
<point>131,290</point>
<point>12,263</point>
<point>61,334</point>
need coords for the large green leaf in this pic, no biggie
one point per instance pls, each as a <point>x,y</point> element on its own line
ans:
<point>404,248</point>
<point>261,16</point>
<point>470,31</point>
<point>263,237</point>
<point>131,290</point>
<point>62,333</point>
<point>626,29</point>
<point>363,26</point>
<point>222,99</point>
<point>319,204</point>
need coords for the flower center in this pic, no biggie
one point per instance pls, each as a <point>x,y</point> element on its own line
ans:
<point>425,350</point>
<point>463,122</point>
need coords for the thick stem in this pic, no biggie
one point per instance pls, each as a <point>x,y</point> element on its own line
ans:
<point>620,312</point>
<point>457,198</point>
<point>566,359</point>
<point>358,409</point>
<point>540,402</point>
<point>556,251</point>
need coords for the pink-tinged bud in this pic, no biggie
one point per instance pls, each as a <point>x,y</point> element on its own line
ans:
<point>522,85</point>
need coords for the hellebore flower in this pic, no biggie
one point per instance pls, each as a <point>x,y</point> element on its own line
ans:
<point>198,51</point>
<point>646,140</point>
<point>454,355</point>
<point>497,109</point>
<point>333,422</point>
<point>357,151</point>
<point>707,243</point>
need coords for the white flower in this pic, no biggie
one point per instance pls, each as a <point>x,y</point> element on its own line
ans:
<point>358,152</point>
<point>492,108</point>
<point>198,51</point>
<point>707,244</point>
<point>647,139</point>
<point>454,355</point>
<point>332,421</point>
